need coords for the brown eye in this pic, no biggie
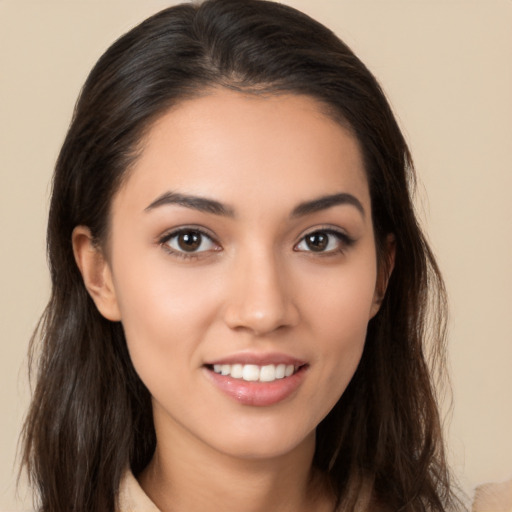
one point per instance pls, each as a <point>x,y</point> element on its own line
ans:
<point>328,241</point>
<point>189,241</point>
<point>317,241</point>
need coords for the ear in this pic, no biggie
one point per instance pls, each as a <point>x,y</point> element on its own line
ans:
<point>385,269</point>
<point>95,272</point>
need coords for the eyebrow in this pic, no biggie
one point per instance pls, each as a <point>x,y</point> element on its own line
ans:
<point>194,202</point>
<point>215,207</point>
<point>325,202</point>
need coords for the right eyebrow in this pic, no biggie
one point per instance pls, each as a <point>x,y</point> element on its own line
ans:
<point>201,204</point>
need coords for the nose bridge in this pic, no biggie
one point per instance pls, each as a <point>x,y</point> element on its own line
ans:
<point>259,294</point>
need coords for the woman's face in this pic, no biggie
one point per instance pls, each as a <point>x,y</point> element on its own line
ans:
<point>243,267</point>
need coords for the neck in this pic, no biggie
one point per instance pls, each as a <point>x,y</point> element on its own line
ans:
<point>188,477</point>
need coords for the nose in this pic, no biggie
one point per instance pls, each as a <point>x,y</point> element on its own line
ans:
<point>260,296</point>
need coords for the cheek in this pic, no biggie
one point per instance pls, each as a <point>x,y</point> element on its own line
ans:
<point>164,311</point>
<point>339,301</point>
<point>338,313</point>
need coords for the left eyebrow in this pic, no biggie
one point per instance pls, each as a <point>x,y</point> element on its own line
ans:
<point>202,204</point>
<point>325,202</point>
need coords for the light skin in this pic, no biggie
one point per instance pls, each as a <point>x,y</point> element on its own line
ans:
<point>279,261</point>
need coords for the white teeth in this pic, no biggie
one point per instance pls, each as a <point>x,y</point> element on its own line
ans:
<point>237,371</point>
<point>251,372</point>
<point>268,373</point>
<point>280,371</point>
<point>254,373</point>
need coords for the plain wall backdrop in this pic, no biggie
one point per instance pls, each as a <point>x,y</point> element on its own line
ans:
<point>446,66</point>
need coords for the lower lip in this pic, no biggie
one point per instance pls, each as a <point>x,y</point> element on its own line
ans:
<point>259,394</point>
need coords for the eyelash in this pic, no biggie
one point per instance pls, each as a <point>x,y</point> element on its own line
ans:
<point>343,239</point>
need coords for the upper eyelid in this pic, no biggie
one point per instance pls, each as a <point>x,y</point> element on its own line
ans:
<point>340,235</point>
<point>169,233</point>
<point>324,229</point>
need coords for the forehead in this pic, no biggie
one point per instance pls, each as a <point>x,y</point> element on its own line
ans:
<point>247,149</point>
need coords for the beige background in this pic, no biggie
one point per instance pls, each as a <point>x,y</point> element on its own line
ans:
<point>446,66</point>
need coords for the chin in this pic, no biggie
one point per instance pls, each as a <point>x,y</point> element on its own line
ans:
<point>264,441</point>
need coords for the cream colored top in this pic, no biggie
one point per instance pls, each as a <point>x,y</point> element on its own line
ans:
<point>132,498</point>
<point>488,498</point>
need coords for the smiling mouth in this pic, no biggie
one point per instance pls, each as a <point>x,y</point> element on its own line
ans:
<point>256,373</point>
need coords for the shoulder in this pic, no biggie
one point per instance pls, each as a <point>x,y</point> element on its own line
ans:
<point>495,497</point>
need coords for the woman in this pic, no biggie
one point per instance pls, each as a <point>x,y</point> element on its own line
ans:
<point>240,286</point>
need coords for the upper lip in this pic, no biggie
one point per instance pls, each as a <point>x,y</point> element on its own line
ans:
<point>258,359</point>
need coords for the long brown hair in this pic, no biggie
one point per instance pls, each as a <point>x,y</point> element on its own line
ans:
<point>91,416</point>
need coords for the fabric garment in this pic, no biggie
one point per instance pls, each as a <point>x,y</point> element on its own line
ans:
<point>132,498</point>
<point>495,497</point>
